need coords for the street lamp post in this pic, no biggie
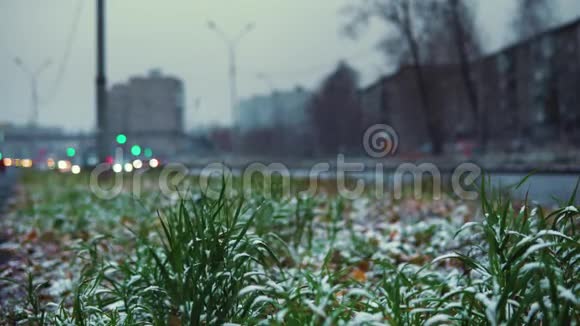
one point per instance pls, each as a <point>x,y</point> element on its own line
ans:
<point>232,44</point>
<point>33,76</point>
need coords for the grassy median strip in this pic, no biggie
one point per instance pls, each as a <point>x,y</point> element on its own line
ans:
<point>189,259</point>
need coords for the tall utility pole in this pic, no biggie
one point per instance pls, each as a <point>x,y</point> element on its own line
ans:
<point>101,84</point>
<point>33,79</point>
<point>232,45</point>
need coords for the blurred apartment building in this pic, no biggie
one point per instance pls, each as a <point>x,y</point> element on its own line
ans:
<point>273,123</point>
<point>527,93</point>
<point>149,111</point>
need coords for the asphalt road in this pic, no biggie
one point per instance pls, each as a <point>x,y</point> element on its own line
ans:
<point>7,180</point>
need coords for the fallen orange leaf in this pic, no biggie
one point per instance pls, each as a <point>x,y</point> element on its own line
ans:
<point>359,275</point>
<point>364,265</point>
<point>31,236</point>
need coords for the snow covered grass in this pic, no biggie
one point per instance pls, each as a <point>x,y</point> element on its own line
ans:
<point>304,260</point>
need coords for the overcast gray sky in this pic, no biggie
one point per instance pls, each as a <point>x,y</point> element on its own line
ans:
<point>294,42</point>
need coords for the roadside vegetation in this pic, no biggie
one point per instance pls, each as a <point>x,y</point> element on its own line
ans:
<point>188,259</point>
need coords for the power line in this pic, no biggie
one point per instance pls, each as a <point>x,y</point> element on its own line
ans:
<point>67,51</point>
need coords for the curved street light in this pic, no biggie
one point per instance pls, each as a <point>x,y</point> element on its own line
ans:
<point>33,76</point>
<point>231,45</point>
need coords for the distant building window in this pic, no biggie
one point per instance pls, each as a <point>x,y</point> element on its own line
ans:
<point>503,63</point>
<point>547,47</point>
<point>180,99</point>
<point>540,75</point>
<point>540,116</point>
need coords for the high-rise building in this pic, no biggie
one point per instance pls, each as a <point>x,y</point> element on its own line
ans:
<point>149,112</point>
<point>273,123</point>
<point>280,109</point>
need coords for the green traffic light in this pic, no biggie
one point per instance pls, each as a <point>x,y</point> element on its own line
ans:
<point>121,139</point>
<point>70,152</point>
<point>1,155</point>
<point>136,150</point>
<point>148,152</point>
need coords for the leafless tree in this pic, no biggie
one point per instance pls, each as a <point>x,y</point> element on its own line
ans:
<point>407,19</point>
<point>458,21</point>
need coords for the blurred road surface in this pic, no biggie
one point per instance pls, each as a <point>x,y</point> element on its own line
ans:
<point>7,181</point>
